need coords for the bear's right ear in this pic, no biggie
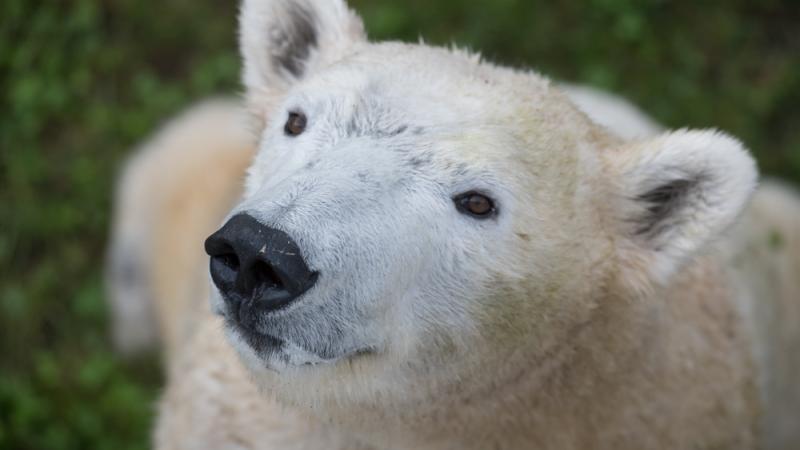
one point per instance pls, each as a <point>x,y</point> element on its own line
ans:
<point>283,41</point>
<point>674,193</point>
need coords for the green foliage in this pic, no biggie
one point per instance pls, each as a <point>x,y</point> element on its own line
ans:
<point>82,81</point>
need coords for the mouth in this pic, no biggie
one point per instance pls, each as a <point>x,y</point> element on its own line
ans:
<point>276,353</point>
<point>262,343</point>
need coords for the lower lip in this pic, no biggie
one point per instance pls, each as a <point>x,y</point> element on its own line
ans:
<point>261,342</point>
<point>255,339</point>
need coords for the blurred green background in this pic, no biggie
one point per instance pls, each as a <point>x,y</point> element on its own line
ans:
<point>83,81</point>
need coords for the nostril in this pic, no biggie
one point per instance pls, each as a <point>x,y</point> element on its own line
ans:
<point>221,249</point>
<point>266,275</point>
<point>224,269</point>
<point>224,262</point>
<point>230,260</point>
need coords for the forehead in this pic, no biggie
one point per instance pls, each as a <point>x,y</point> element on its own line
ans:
<point>436,85</point>
<point>448,108</point>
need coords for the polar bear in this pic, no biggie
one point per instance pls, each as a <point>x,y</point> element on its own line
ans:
<point>430,251</point>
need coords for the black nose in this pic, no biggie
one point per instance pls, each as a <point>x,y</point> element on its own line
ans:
<point>256,267</point>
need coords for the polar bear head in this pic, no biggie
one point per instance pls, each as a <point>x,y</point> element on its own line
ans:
<point>415,215</point>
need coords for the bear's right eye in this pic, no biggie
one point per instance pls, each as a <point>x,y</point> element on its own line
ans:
<point>475,204</point>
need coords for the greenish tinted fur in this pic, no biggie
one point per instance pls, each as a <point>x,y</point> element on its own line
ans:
<point>776,240</point>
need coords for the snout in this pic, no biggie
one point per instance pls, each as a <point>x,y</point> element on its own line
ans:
<point>257,269</point>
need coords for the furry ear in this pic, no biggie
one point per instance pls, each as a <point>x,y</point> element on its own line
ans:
<point>284,40</point>
<point>677,192</point>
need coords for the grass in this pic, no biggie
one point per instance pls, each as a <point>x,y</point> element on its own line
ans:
<point>83,81</point>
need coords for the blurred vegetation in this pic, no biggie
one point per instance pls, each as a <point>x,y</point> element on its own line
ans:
<point>82,81</point>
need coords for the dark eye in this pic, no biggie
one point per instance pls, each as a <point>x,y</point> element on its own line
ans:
<point>295,124</point>
<point>475,204</point>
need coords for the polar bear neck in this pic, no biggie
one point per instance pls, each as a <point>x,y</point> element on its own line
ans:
<point>619,371</point>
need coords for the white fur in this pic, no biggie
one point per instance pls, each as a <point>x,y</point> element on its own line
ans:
<point>381,228</point>
<point>612,112</point>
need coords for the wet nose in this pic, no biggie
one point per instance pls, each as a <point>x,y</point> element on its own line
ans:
<point>256,264</point>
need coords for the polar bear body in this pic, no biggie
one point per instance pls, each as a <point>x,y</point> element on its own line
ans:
<point>607,304</point>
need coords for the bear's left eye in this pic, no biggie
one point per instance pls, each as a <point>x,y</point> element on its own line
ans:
<point>295,124</point>
<point>475,204</point>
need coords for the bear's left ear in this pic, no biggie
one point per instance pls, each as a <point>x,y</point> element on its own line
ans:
<point>675,193</point>
<point>283,41</point>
